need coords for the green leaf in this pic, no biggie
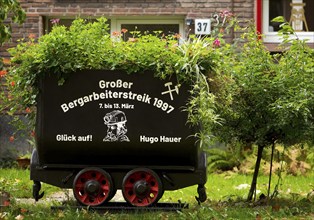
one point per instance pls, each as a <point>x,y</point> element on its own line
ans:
<point>280,19</point>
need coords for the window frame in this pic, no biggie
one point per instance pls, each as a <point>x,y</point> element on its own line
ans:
<point>117,22</point>
<point>273,37</point>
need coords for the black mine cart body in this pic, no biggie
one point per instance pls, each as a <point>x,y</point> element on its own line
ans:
<point>106,130</point>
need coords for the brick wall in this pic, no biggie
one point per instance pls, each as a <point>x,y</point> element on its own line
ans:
<point>36,10</point>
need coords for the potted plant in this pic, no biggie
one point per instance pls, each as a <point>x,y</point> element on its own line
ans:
<point>24,159</point>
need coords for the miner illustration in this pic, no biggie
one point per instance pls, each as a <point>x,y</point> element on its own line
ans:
<point>116,123</point>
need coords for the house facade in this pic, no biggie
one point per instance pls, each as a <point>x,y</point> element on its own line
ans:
<point>173,16</point>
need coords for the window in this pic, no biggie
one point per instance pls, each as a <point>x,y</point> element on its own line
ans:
<point>166,29</point>
<point>298,12</point>
<point>168,26</point>
<point>48,22</point>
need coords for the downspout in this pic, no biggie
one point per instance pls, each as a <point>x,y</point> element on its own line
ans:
<point>259,7</point>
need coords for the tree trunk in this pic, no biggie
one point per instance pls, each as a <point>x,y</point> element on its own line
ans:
<point>254,180</point>
<point>270,168</point>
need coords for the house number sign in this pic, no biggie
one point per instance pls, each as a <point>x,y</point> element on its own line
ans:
<point>202,26</point>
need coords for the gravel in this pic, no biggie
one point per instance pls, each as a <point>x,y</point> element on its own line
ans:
<point>63,196</point>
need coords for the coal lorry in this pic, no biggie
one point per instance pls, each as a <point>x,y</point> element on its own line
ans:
<point>104,130</point>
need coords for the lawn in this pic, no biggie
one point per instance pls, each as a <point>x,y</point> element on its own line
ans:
<point>226,200</point>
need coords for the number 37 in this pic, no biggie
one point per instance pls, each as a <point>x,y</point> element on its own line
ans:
<point>202,26</point>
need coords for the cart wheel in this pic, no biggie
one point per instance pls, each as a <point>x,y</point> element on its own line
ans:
<point>142,187</point>
<point>92,186</point>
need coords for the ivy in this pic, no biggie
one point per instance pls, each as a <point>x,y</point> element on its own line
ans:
<point>9,9</point>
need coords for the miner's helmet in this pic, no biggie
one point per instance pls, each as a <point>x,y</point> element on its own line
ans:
<point>114,117</point>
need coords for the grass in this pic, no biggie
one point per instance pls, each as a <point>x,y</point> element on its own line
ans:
<point>226,200</point>
<point>17,182</point>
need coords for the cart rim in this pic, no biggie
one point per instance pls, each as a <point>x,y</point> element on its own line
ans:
<point>142,187</point>
<point>92,186</point>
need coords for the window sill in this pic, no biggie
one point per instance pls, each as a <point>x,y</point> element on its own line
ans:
<point>272,37</point>
<point>274,47</point>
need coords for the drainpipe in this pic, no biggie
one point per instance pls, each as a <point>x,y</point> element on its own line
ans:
<point>258,16</point>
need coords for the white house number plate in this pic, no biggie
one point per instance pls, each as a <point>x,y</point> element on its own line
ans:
<point>202,26</point>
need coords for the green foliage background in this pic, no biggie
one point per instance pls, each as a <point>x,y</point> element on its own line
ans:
<point>10,12</point>
<point>9,9</point>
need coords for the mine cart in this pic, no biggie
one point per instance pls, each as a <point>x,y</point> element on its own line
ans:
<point>105,130</point>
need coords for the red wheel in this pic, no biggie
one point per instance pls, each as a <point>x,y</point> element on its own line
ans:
<point>92,186</point>
<point>142,187</point>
